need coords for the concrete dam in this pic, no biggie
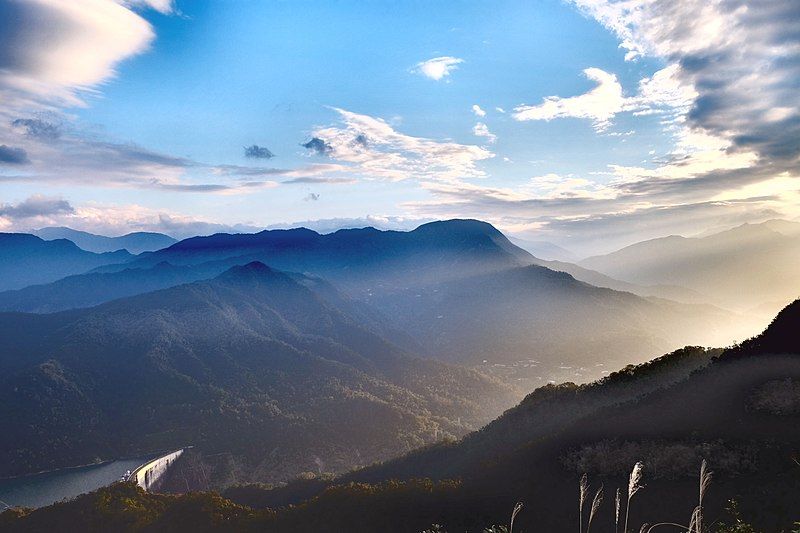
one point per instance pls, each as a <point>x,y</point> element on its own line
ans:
<point>149,475</point>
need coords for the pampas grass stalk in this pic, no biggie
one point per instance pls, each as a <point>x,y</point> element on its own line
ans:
<point>634,484</point>
<point>517,509</point>
<point>583,487</point>
<point>705,481</point>
<point>598,499</point>
<point>616,511</point>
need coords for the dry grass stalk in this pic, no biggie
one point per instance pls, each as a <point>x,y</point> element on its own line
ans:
<point>517,509</point>
<point>634,484</point>
<point>598,499</point>
<point>583,487</point>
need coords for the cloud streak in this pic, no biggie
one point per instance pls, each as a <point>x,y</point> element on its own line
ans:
<point>258,152</point>
<point>395,156</point>
<point>437,68</point>
<point>13,156</point>
<point>727,95</point>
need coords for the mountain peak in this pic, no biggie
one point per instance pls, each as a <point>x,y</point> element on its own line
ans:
<point>250,272</point>
<point>458,225</point>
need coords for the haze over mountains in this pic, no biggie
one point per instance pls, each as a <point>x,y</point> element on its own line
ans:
<point>751,266</point>
<point>135,243</point>
<point>460,287</point>
<point>278,372</point>
<point>203,343</point>
<point>27,260</point>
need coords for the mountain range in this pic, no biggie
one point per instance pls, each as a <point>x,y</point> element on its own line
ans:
<point>27,260</point>
<point>278,373</point>
<point>460,287</point>
<point>750,267</point>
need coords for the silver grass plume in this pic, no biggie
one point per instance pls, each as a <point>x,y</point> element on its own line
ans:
<point>584,489</point>
<point>517,509</point>
<point>705,481</point>
<point>634,484</point>
<point>598,499</point>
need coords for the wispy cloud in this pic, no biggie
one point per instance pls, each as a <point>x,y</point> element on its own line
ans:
<point>598,105</point>
<point>482,130</point>
<point>37,206</point>
<point>258,152</point>
<point>382,222</point>
<point>478,111</point>
<point>395,156</point>
<point>38,128</point>
<point>13,156</point>
<point>319,146</point>
<point>437,68</point>
<point>727,96</point>
<point>40,41</point>
<point>740,57</point>
<point>41,211</point>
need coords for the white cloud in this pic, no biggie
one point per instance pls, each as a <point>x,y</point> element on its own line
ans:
<point>111,219</point>
<point>476,109</point>
<point>54,50</point>
<point>374,149</point>
<point>162,6</point>
<point>740,57</point>
<point>553,186</point>
<point>482,130</point>
<point>599,105</point>
<point>437,67</point>
<point>382,222</point>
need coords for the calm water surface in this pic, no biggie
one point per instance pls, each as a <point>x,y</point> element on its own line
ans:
<point>38,490</point>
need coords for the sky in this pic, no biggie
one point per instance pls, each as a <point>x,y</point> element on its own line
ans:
<point>591,124</point>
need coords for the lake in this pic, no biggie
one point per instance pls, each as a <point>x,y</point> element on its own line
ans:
<point>38,490</point>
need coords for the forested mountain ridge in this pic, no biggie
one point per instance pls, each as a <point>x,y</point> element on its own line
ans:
<point>279,372</point>
<point>735,408</point>
<point>460,287</point>
<point>135,243</point>
<point>26,260</point>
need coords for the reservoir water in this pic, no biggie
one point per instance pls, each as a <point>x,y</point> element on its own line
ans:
<point>38,490</point>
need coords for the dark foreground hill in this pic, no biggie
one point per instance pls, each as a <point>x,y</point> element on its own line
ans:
<point>27,260</point>
<point>271,373</point>
<point>737,409</point>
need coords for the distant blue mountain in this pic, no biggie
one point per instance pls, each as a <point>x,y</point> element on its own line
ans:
<point>27,260</point>
<point>359,259</point>
<point>459,288</point>
<point>135,243</point>
<point>94,288</point>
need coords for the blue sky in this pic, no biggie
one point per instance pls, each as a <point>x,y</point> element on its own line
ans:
<point>151,134</point>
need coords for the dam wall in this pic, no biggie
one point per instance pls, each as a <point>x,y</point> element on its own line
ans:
<point>149,474</point>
